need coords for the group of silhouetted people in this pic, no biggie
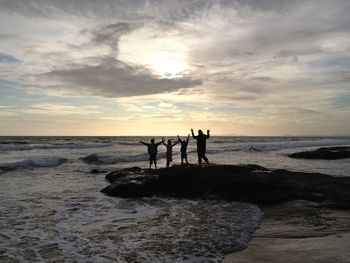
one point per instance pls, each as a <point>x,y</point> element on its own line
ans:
<point>201,148</point>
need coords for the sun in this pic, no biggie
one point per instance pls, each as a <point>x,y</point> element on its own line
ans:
<point>164,57</point>
<point>168,64</point>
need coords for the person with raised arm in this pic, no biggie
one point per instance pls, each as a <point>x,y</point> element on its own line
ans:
<point>201,145</point>
<point>152,151</point>
<point>169,151</point>
<point>184,149</point>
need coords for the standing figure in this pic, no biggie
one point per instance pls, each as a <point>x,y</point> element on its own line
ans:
<point>152,151</point>
<point>184,149</point>
<point>201,145</point>
<point>169,151</point>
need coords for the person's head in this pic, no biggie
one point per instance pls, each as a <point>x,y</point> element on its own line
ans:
<point>200,132</point>
<point>169,141</point>
<point>152,140</point>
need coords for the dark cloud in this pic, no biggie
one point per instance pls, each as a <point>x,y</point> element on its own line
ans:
<point>301,52</point>
<point>107,76</point>
<point>84,8</point>
<point>6,36</point>
<point>263,4</point>
<point>110,34</point>
<point>168,10</point>
<point>113,78</point>
<point>296,111</point>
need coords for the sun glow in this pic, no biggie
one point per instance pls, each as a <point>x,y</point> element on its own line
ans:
<point>168,64</point>
<point>165,57</point>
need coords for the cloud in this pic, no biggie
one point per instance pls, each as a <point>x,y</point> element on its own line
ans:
<point>113,78</point>
<point>236,56</point>
<point>6,111</point>
<point>110,34</point>
<point>58,109</point>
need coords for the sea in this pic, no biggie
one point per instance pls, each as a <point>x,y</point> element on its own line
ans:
<point>52,210</point>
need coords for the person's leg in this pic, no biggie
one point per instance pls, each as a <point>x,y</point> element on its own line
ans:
<point>150,163</point>
<point>206,159</point>
<point>200,156</point>
<point>186,159</point>
<point>155,163</point>
<point>199,159</point>
<point>183,156</point>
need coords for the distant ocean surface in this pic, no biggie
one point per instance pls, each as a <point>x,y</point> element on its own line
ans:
<point>51,208</point>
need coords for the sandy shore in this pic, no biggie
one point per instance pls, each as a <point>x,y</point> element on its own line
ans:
<point>296,232</point>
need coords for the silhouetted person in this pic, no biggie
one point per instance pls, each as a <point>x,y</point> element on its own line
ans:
<point>201,145</point>
<point>152,151</point>
<point>184,149</point>
<point>169,151</point>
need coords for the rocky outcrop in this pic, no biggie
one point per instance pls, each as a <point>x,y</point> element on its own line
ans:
<point>249,183</point>
<point>325,153</point>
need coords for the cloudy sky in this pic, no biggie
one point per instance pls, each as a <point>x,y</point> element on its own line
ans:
<point>121,67</point>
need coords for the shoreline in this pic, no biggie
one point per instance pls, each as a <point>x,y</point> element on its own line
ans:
<point>298,231</point>
<point>306,215</point>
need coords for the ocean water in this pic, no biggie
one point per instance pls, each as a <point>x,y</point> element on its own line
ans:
<point>51,208</point>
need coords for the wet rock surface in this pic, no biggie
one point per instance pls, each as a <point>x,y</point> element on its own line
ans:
<point>325,153</point>
<point>248,183</point>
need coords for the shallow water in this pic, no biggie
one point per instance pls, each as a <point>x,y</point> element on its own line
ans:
<point>49,218</point>
<point>51,208</point>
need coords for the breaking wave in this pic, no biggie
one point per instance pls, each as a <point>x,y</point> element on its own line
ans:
<point>32,162</point>
<point>23,147</point>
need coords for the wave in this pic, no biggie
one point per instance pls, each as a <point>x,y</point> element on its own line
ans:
<point>279,147</point>
<point>252,147</point>
<point>33,162</point>
<point>216,151</point>
<point>14,142</point>
<point>8,148</point>
<point>111,159</point>
<point>128,143</point>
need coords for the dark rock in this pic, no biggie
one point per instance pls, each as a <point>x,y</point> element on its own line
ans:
<point>92,158</point>
<point>113,176</point>
<point>249,183</point>
<point>325,153</point>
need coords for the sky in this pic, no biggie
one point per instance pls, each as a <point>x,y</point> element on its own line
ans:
<point>121,67</point>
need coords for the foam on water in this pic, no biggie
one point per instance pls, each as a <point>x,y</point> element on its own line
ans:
<point>16,147</point>
<point>33,162</point>
<point>101,229</point>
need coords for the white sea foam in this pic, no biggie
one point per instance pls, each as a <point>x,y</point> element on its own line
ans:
<point>15,147</point>
<point>104,229</point>
<point>33,162</point>
<point>277,146</point>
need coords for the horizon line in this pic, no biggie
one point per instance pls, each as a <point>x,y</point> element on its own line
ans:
<point>220,135</point>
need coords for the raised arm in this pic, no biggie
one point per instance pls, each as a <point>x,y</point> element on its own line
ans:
<point>144,143</point>
<point>161,142</point>
<point>193,136</point>
<point>179,138</point>
<point>208,133</point>
<point>175,143</point>
<point>188,138</point>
